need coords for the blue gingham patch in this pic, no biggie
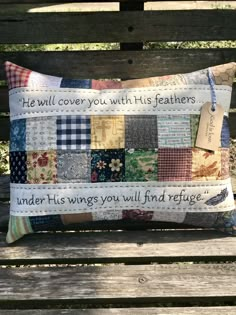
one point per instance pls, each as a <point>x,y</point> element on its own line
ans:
<point>73,132</point>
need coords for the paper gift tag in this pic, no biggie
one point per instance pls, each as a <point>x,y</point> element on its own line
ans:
<point>210,125</point>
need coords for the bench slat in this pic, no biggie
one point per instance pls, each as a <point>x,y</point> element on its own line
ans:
<point>227,310</point>
<point>123,247</point>
<point>119,284</point>
<point>119,64</point>
<point>126,26</point>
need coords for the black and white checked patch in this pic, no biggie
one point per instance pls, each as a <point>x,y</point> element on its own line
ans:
<point>73,132</point>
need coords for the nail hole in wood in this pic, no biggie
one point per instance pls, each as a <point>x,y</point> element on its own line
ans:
<point>130,28</point>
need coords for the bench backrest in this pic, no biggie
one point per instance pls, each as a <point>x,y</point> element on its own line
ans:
<point>128,29</point>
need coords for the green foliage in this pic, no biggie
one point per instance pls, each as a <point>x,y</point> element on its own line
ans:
<point>4,158</point>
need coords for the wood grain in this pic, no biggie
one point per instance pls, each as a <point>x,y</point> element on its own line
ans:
<point>4,187</point>
<point>119,283</point>
<point>125,26</point>
<point>118,64</point>
<point>225,310</point>
<point>119,247</point>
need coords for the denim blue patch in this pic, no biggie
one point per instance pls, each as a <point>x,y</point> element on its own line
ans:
<point>74,83</point>
<point>18,135</point>
<point>225,133</point>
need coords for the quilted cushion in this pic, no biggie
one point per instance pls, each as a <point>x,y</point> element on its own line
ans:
<point>89,150</point>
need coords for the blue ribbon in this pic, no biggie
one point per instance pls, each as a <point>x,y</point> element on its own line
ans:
<point>213,92</point>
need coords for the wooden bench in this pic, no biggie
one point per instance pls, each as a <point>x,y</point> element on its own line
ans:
<point>115,267</point>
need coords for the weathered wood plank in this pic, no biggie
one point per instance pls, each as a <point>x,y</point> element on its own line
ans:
<point>73,1</point>
<point>118,64</point>
<point>123,26</point>
<point>122,247</point>
<point>23,7</point>
<point>4,217</point>
<point>225,310</point>
<point>119,284</point>
<point>97,1</point>
<point>4,187</point>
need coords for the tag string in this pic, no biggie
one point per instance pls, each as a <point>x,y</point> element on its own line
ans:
<point>213,92</point>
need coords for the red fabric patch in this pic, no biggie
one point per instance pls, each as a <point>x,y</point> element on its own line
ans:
<point>175,164</point>
<point>17,76</point>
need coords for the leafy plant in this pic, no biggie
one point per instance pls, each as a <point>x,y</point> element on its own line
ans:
<point>4,158</point>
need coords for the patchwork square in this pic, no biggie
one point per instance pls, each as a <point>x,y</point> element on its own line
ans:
<point>174,164</point>
<point>107,132</point>
<point>73,132</point>
<point>17,76</point>
<point>42,167</point>
<point>41,133</point>
<point>42,223</point>
<point>174,131</point>
<point>225,134</point>
<point>107,165</point>
<point>18,162</point>
<point>140,165</point>
<point>75,83</point>
<point>18,135</point>
<point>137,215</point>
<point>90,150</point>
<point>141,132</point>
<point>74,166</point>
<point>206,165</point>
<point>225,163</point>
<point>194,123</point>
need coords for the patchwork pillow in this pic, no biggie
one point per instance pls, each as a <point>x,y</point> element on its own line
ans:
<point>89,150</point>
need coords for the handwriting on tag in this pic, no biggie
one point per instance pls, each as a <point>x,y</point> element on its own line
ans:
<point>210,125</point>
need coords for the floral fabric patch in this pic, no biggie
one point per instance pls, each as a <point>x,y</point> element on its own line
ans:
<point>42,167</point>
<point>107,165</point>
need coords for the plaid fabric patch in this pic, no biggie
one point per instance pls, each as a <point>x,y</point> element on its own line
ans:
<point>175,164</point>
<point>73,132</point>
<point>17,76</point>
